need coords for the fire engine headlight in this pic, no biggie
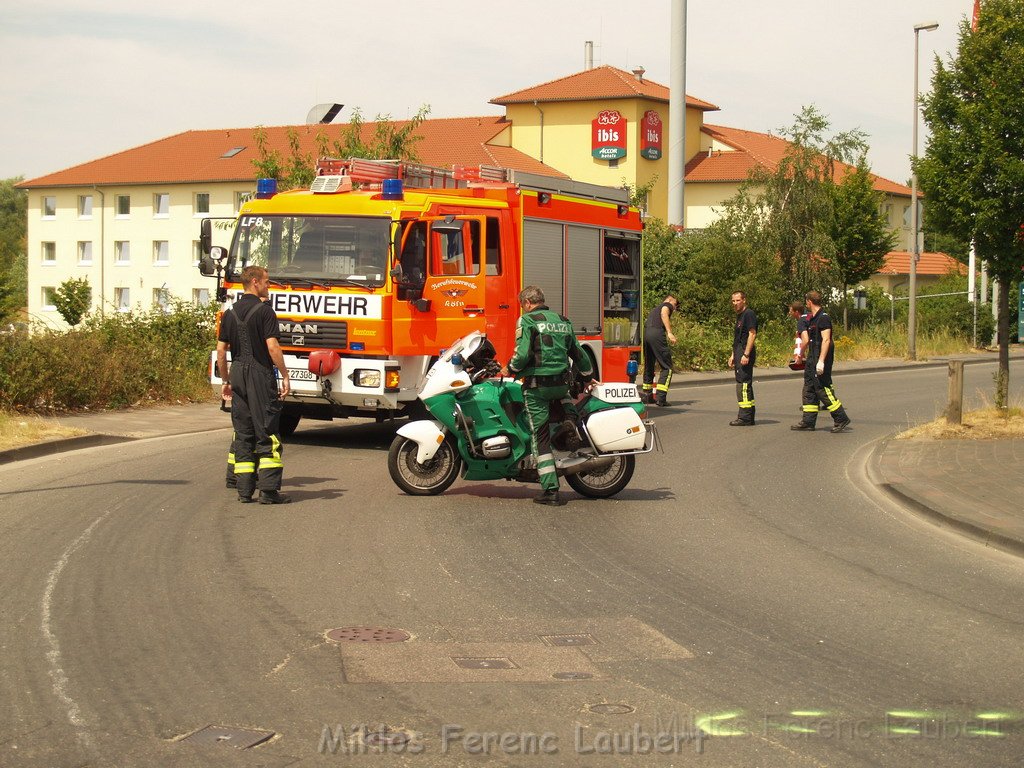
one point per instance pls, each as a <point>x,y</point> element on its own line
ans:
<point>366,377</point>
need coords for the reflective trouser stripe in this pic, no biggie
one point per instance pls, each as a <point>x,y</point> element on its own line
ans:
<point>231,458</point>
<point>275,447</point>
<point>745,399</point>
<point>269,463</point>
<point>664,380</point>
<point>245,467</point>
<point>833,403</point>
<point>810,409</point>
<point>546,464</point>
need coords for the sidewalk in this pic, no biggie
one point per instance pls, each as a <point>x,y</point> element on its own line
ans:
<point>974,486</point>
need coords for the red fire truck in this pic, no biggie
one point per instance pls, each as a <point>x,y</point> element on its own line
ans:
<point>380,265</point>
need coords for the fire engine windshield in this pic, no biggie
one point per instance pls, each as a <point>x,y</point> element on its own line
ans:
<point>321,249</point>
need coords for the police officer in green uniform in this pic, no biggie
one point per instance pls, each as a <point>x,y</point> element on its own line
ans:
<point>545,342</point>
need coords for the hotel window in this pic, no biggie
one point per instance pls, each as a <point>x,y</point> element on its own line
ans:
<point>202,202</point>
<point>160,253</point>
<point>85,206</point>
<point>197,253</point>
<point>161,204</point>
<point>124,205</point>
<point>201,297</point>
<point>123,252</point>
<point>49,207</point>
<point>122,297</point>
<point>162,299</point>
<point>85,252</point>
<point>49,304</point>
<point>49,253</point>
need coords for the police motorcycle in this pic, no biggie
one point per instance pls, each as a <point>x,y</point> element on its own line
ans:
<point>480,431</point>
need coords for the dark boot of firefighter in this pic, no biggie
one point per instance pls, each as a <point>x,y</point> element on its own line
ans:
<point>545,342</point>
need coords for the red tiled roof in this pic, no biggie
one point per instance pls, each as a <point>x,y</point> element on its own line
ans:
<point>598,83</point>
<point>898,263</point>
<point>750,149</point>
<point>198,156</point>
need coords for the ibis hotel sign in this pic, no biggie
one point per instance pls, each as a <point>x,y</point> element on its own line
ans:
<point>650,136</point>
<point>608,137</point>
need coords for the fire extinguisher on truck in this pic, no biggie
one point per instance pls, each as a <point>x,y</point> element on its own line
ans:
<point>381,265</point>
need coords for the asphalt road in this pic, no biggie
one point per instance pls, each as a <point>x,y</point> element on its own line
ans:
<point>749,586</point>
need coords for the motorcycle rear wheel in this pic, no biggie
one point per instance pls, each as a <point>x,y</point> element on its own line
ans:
<point>429,478</point>
<point>607,482</point>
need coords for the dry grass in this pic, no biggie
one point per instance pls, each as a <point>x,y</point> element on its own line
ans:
<point>984,424</point>
<point>18,429</point>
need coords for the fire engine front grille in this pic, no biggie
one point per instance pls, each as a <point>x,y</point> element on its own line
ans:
<point>321,334</point>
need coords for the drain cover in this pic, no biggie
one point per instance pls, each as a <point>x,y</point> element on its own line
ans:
<point>496,662</point>
<point>569,640</point>
<point>612,709</point>
<point>368,635</point>
<point>572,675</point>
<point>385,738</point>
<point>239,738</point>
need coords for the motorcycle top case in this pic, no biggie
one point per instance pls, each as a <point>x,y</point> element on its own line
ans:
<point>617,429</point>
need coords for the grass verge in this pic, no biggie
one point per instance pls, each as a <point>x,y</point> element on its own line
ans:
<point>20,429</point>
<point>983,424</point>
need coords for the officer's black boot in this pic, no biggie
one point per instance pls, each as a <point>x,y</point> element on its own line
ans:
<point>661,398</point>
<point>550,497</point>
<point>842,421</point>
<point>274,497</point>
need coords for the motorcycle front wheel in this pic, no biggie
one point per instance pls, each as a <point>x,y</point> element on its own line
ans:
<point>429,478</point>
<point>607,482</point>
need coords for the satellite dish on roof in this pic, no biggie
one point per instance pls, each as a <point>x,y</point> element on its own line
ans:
<point>323,113</point>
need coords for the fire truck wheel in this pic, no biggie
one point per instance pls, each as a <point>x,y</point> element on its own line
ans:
<point>429,478</point>
<point>289,421</point>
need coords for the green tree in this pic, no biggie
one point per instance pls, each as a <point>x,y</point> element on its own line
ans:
<point>389,140</point>
<point>13,264</point>
<point>973,168</point>
<point>72,299</point>
<point>859,231</point>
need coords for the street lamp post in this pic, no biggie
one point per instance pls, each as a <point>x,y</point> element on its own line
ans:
<point>915,225</point>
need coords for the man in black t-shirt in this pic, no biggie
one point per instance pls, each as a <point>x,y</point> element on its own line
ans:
<point>657,352</point>
<point>744,354</point>
<point>818,372</point>
<point>250,330</point>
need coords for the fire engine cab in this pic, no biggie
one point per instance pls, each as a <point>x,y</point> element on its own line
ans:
<point>380,265</point>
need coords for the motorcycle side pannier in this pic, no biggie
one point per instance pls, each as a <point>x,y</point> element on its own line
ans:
<point>617,429</point>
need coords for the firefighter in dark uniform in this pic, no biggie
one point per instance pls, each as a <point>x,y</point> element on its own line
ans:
<point>820,354</point>
<point>545,342</point>
<point>250,330</point>
<point>742,359</point>
<point>657,335</point>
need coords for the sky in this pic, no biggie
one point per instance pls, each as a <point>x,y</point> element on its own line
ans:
<point>82,80</point>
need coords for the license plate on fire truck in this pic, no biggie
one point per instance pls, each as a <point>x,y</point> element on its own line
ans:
<point>298,374</point>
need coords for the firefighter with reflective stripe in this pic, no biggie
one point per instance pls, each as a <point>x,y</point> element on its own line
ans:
<point>818,386</point>
<point>742,359</point>
<point>657,335</point>
<point>798,311</point>
<point>250,330</point>
<point>545,342</point>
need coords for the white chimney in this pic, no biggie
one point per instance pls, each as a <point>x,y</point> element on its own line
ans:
<point>638,73</point>
<point>588,54</point>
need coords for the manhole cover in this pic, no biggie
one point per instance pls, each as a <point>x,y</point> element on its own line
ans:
<point>239,738</point>
<point>572,675</point>
<point>368,635</point>
<point>612,709</point>
<point>385,738</point>
<point>569,640</point>
<point>497,662</point>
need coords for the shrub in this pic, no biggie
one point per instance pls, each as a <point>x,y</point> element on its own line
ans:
<point>110,361</point>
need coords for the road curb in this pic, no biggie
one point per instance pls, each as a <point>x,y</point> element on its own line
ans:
<point>905,497</point>
<point>51,447</point>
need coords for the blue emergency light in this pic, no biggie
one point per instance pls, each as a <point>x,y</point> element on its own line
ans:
<point>391,189</point>
<point>265,188</point>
